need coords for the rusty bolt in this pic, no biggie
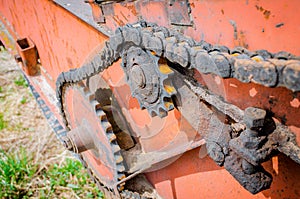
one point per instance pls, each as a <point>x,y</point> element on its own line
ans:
<point>254,118</point>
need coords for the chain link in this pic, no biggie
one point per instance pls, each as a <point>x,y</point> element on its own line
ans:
<point>261,67</point>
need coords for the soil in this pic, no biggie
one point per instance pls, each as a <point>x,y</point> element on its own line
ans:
<point>24,123</point>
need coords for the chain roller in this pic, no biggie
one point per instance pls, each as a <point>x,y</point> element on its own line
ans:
<point>261,67</point>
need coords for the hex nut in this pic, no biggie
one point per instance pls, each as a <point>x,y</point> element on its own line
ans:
<point>254,118</point>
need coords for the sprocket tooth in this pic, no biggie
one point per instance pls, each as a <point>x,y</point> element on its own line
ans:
<point>100,113</point>
<point>169,105</point>
<point>115,148</point>
<point>121,185</point>
<point>153,113</point>
<point>170,90</point>
<point>94,103</point>
<point>107,127</point>
<point>165,69</point>
<point>115,161</point>
<point>121,168</point>
<point>119,159</point>
<point>162,112</point>
<point>91,97</point>
<point>111,137</point>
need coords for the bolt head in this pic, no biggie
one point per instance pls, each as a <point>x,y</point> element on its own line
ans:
<point>254,118</point>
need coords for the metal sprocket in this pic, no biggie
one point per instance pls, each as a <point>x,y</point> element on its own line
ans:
<point>149,79</point>
<point>91,136</point>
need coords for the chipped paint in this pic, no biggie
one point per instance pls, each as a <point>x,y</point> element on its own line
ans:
<point>295,103</point>
<point>233,85</point>
<point>265,12</point>
<point>252,92</point>
<point>275,164</point>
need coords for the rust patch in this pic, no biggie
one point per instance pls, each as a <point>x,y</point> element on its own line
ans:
<point>118,20</point>
<point>265,12</point>
<point>69,60</point>
<point>28,52</point>
<point>132,9</point>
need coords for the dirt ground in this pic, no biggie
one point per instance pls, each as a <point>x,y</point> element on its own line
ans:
<point>23,127</point>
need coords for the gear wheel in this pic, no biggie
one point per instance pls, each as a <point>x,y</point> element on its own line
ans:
<point>91,136</point>
<point>149,80</point>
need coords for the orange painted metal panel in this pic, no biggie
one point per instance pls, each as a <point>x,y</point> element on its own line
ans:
<point>271,25</point>
<point>63,41</point>
<point>197,177</point>
<point>264,24</point>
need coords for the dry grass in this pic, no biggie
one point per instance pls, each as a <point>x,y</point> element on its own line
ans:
<point>24,133</point>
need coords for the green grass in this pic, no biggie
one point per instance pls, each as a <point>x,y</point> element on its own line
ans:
<point>23,100</point>
<point>20,81</point>
<point>3,123</point>
<point>21,178</point>
<point>72,175</point>
<point>15,174</point>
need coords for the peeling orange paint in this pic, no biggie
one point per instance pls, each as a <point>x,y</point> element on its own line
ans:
<point>252,92</point>
<point>295,103</point>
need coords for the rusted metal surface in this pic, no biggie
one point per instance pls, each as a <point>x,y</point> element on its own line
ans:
<point>92,136</point>
<point>215,22</point>
<point>148,85</point>
<point>29,56</point>
<point>249,149</point>
<point>225,151</point>
<point>54,30</point>
<point>179,13</point>
<point>219,23</point>
<point>97,12</point>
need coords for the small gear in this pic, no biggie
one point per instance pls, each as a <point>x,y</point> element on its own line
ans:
<point>149,80</point>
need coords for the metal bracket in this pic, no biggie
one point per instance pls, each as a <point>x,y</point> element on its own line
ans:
<point>179,13</point>
<point>29,56</point>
